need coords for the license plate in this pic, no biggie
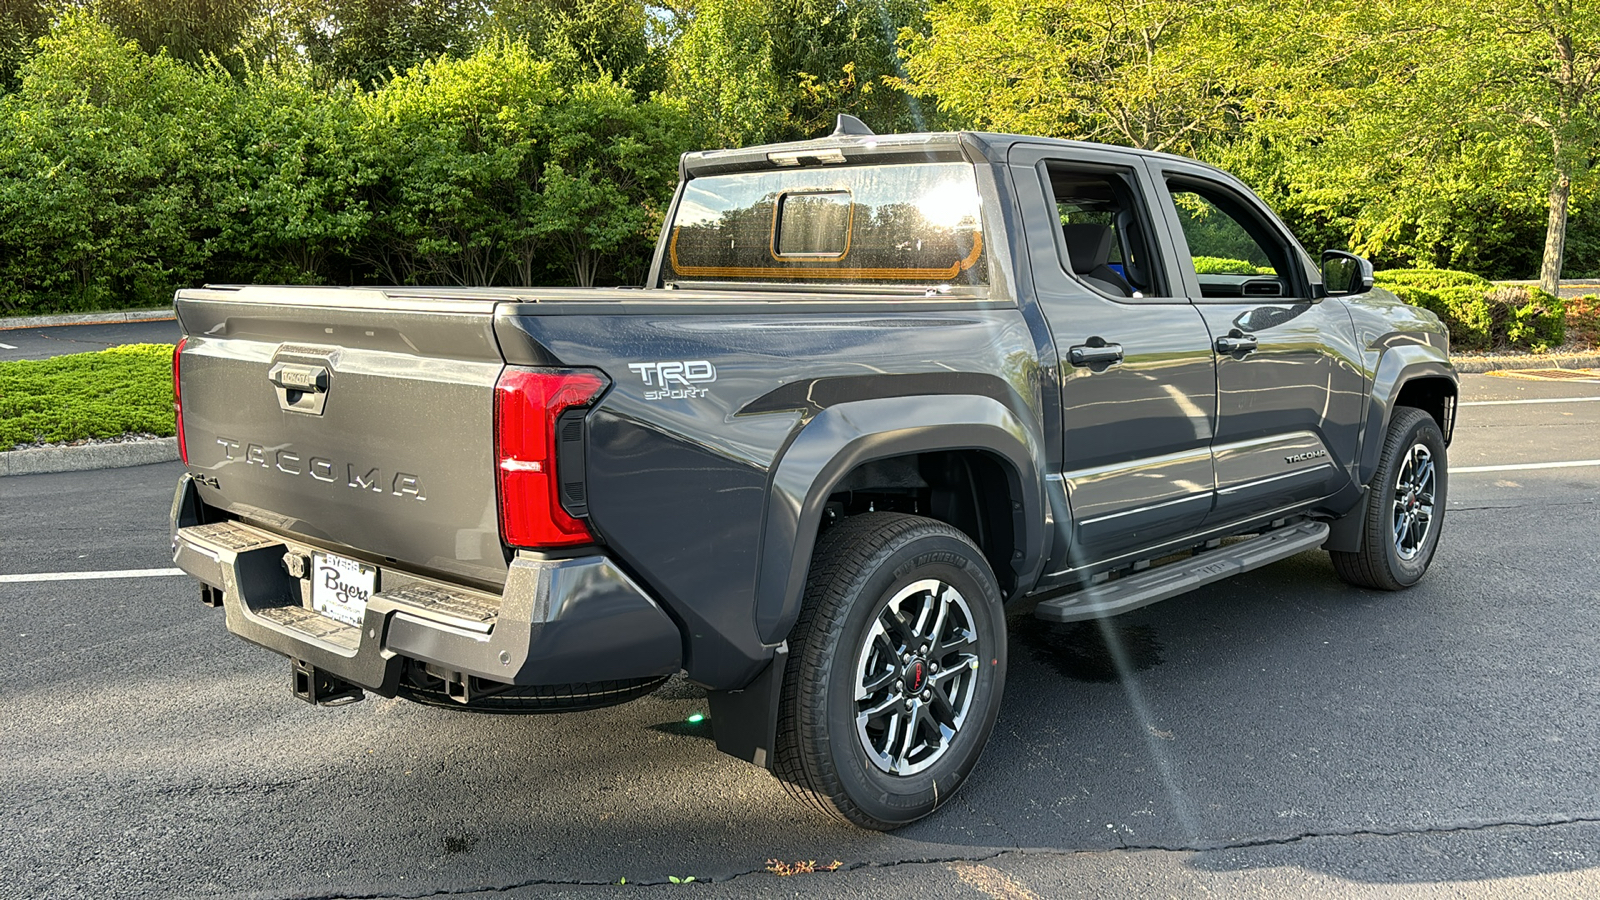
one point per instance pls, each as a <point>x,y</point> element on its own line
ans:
<point>341,587</point>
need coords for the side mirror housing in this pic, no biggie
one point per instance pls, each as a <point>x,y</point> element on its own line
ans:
<point>1345,273</point>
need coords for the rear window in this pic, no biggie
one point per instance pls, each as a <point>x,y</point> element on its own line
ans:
<point>891,224</point>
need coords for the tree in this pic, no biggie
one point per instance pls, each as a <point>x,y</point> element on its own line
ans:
<point>612,166</point>
<point>586,39</point>
<point>1156,74</point>
<point>1543,68</point>
<point>190,30</point>
<point>22,22</point>
<point>766,70</point>
<point>1436,133</point>
<point>108,174</point>
<point>368,40</point>
<point>451,158</point>
<point>294,199</point>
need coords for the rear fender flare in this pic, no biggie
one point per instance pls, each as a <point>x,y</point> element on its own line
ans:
<point>846,435</point>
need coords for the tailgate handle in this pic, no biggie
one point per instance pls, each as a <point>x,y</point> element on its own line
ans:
<point>301,388</point>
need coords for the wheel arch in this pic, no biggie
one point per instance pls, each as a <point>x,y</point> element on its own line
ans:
<point>1408,375</point>
<point>843,438</point>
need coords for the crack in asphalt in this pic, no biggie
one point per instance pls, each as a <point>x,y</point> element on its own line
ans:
<point>1286,840</point>
<point>996,853</point>
<point>1460,509</point>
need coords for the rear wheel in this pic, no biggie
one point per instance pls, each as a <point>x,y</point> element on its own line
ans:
<point>896,670</point>
<point>1405,510</point>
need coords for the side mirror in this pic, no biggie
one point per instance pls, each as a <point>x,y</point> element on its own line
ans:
<point>1345,273</point>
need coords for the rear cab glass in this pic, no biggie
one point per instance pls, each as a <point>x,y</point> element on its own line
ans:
<point>911,225</point>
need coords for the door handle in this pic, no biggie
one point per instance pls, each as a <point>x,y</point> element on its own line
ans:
<point>293,377</point>
<point>1236,343</point>
<point>1095,354</point>
<point>301,388</point>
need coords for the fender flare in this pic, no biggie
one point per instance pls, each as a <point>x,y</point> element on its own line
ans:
<point>1399,365</point>
<point>846,435</point>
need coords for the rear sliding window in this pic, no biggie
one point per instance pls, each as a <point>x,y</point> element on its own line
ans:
<point>915,224</point>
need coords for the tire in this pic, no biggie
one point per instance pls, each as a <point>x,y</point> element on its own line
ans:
<point>870,574</point>
<point>1405,507</point>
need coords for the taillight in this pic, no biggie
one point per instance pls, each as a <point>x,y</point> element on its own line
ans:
<point>528,404</point>
<point>177,399</point>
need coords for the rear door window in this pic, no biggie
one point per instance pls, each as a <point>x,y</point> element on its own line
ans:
<point>1105,235</point>
<point>912,224</point>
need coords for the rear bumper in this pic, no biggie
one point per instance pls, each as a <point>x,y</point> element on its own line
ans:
<point>557,622</point>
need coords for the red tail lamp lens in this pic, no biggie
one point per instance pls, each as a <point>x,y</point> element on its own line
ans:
<point>527,404</point>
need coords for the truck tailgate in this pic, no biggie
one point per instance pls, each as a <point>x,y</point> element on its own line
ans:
<point>355,419</point>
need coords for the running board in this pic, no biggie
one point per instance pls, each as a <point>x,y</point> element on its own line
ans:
<point>1144,588</point>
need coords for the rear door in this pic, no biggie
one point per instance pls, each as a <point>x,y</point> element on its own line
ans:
<point>1289,383</point>
<point>357,420</point>
<point>1138,389</point>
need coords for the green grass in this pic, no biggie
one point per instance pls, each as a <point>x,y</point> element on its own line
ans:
<point>87,395</point>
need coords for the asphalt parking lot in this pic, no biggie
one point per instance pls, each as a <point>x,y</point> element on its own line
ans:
<point>47,341</point>
<point>1278,735</point>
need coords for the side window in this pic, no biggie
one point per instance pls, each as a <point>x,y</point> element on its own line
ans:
<point>1105,233</point>
<point>1234,252</point>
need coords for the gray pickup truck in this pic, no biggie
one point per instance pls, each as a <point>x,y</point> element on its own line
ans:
<point>877,389</point>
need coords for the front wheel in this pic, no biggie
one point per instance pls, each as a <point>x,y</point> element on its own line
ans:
<point>896,669</point>
<point>1405,510</point>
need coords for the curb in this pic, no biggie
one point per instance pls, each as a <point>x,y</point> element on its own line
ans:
<point>1477,365</point>
<point>87,456</point>
<point>94,318</point>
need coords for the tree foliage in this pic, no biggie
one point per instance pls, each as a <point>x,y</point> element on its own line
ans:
<point>1156,74</point>
<point>768,70</point>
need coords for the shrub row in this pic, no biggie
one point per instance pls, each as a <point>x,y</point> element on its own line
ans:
<point>1480,315</point>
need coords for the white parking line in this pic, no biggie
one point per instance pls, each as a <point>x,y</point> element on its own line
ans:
<point>6,347</point>
<point>1538,400</point>
<point>89,576</point>
<point>1573,464</point>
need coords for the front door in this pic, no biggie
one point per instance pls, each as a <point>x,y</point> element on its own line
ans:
<point>1290,391</point>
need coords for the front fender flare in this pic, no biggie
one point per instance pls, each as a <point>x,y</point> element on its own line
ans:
<point>846,435</point>
<point>1400,363</point>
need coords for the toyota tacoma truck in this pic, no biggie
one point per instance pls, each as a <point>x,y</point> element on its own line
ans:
<point>876,390</point>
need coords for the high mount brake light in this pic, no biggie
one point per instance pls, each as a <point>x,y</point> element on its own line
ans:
<point>527,405</point>
<point>177,398</point>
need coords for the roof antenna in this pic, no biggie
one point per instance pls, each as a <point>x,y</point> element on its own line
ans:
<point>849,125</point>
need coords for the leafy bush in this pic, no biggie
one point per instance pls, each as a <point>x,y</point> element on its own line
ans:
<point>87,395</point>
<point>1429,279</point>
<point>109,173</point>
<point>1527,317</point>
<point>1484,317</point>
<point>1216,265</point>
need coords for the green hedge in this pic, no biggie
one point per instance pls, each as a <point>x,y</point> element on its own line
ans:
<point>1429,279</point>
<point>124,175</point>
<point>87,395</point>
<point>1216,265</point>
<point>1480,315</point>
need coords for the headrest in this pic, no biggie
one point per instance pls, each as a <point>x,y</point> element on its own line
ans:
<point>1088,246</point>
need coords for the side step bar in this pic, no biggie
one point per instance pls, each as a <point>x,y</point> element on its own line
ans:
<point>1144,588</point>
